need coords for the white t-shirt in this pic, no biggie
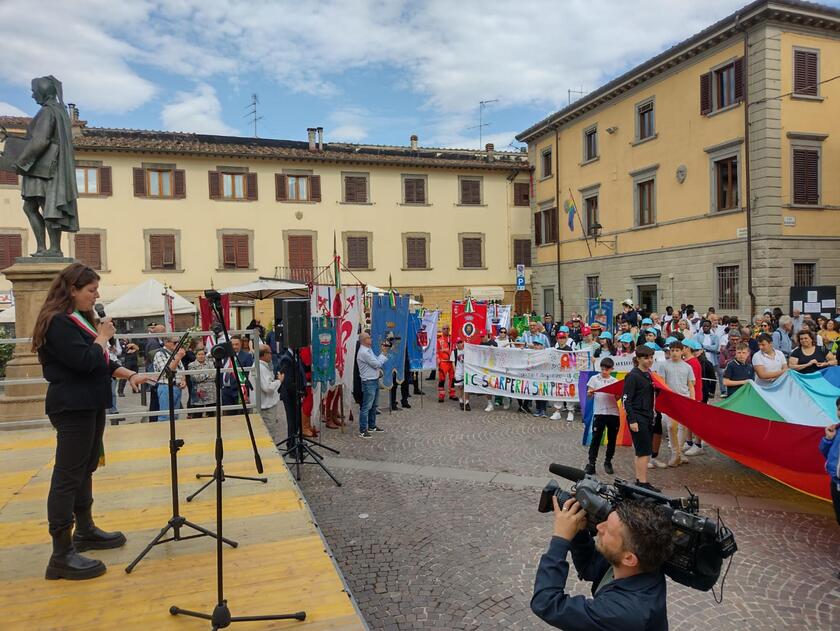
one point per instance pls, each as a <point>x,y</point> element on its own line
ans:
<point>604,403</point>
<point>457,357</point>
<point>772,364</point>
<point>503,343</point>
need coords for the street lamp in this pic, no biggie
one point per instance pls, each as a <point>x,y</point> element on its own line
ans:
<point>596,229</point>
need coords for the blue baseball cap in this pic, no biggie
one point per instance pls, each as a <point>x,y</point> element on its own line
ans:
<point>654,331</point>
<point>692,344</point>
<point>647,321</point>
<point>625,337</point>
<point>653,345</point>
<point>564,328</point>
<point>670,340</point>
<point>606,335</point>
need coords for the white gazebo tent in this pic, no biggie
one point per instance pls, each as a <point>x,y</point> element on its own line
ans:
<point>146,299</point>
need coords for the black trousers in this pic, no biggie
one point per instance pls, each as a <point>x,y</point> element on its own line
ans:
<point>602,422</point>
<point>291,422</point>
<point>835,498</point>
<point>403,392</point>
<point>79,434</point>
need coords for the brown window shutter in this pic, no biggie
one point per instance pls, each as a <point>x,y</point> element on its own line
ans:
<point>421,190</point>
<point>521,192</point>
<point>89,249</point>
<point>139,182</point>
<point>470,192</point>
<point>281,187</point>
<point>738,67</point>
<point>9,178</point>
<point>228,251</point>
<point>155,251</point>
<point>705,93</point>
<point>11,246</point>
<point>215,180</point>
<point>357,253</point>
<point>416,252</point>
<point>805,73</point>
<point>242,253</point>
<point>168,241</point>
<point>355,189</point>
<point>106,187</point>
<point>805,176</point>
<point>315,188</point>
<point>471,247</point>
<point>410,190</point>
<point>179,184</point>
<point>251,185</point>
<point>522,252</point>
<point>300,251</point>
<point>554,221</point>
<point>538,228</point>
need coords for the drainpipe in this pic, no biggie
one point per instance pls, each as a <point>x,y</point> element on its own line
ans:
<point>557,203</point>
<point>747,178</point>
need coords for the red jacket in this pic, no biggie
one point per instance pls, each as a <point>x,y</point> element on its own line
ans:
<point>444,348</point>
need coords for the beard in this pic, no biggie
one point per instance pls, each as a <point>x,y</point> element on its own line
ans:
<point>612,558</point>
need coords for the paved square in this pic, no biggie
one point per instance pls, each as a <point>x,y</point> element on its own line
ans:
<point>436,525</point>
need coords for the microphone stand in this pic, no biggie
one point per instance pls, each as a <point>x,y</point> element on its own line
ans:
<point>215,300</point>
<point>177,521</point>
<point>221,616</point>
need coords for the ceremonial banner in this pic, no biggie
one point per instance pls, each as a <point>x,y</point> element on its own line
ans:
<point>498,316</point>
<point>345,306</point>
<point>390,322</point>
<point>520,323</point>
<point>544,375</point>
<point>430,324</point>
<point>601,311</point>
<point>323,351</point>
<point>468,325</point>
<point>417,340</point>
<point>208,318</point>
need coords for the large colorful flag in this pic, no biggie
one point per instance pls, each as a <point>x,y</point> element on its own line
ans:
<point>571,209</point>
<point>470,325</point>
<point>389,320</point>
<point>417,340</point>
<point>430,326</point>
<point>498,316</point>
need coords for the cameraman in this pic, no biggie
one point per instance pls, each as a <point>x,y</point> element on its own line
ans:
<point>623,563</point>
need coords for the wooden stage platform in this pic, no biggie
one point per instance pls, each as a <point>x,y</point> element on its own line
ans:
<point>282,563</point>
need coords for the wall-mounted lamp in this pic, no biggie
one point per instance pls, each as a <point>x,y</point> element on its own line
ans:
<point>596,230</point>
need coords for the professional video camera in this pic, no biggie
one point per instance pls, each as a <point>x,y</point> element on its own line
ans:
<point>389,339</point>
<point>700,543</point>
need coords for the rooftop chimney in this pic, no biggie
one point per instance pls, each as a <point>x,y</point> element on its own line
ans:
<point>310,132</point>
<point>320,131</point>
<point>414,142</point>
<point>73,112</point>
<point>490,149</point>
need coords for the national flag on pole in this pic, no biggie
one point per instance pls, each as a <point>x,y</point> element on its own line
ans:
<point>569,206</point>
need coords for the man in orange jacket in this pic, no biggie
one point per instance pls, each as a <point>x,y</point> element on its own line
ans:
<point>445,366</point>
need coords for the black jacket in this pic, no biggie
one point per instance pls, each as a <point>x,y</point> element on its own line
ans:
<point>636,603</point>
<point>638,396</point>
<point>709,376</point>
<point>286,363</point>
<point>79,371</point>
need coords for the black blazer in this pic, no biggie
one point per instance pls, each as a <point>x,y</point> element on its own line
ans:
<point>287,363</point>
<point>79,372</point>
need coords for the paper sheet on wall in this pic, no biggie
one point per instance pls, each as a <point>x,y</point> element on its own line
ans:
<point>828,304</point>
<point>812,307</point>
<point>797,304</point>
<point>812,296</point>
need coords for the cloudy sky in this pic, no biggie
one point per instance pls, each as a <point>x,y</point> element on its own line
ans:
<point>372,71</point>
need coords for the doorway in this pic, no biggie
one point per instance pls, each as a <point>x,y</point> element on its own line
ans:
<point>647,297</point>
<point>522,302</point>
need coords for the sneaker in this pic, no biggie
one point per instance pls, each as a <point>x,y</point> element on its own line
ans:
<point>658,463</point>
<point>461,405</point>
<point>686,446</point>
<point>556,416</point>
<point>467,407</point>
<point>364,435</point>
<point>674,462</point>
<point>536,414</point>
<point>650,464</point>
<point>694,450</point>
<point>489,407</point>
<point>570,416</point>
<point>406,405</point>
<point>648,486</point>
<point>608,468</point>
<point>589,469</point>
<point>378,430</point>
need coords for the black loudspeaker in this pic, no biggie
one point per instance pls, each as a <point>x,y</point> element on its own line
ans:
<point>296,323</point>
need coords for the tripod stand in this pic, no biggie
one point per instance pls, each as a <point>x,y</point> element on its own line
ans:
<point>177,521</point>
<point>215,300</point>
<point>298,446</point>
<point>221,617</point>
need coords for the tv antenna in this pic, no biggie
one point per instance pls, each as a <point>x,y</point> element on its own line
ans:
<point>252,112</point>
<point>570,92</point>
<point>481,124</point>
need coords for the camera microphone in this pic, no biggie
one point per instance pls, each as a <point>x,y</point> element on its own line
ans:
<point>570,473</point>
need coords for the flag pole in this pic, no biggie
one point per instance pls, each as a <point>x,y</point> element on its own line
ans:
<point>580,221</point>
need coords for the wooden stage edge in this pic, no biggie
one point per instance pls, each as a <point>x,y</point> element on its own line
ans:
<point>282,564</point>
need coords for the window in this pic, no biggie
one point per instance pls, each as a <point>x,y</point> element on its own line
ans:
<point>416,251</point>
<point>472,251</point>
<point>548,300</point>
<point>87,180</point>
<point>87,247</point>
<point>590,144</point>
<point>547,162</point>
<point>414,189</point>
<point>356,188</point>
<point>545,226</point>
<point>357,251</point>
<point>806,176</point>
<point>162,251</point>
<point>804,274</point>
<point>470,191</point>
<point>726,183</point>
<point>722,87</point>
<point>644,121</point>
<point>590,213</point>
<point>236,251</point>
<point>232,185</point>
<point>728,287</point>
<point>593,287</point>
<point>522,252</point>
<point>644,203</point>
<point>521,194</point>
<point>806,74</point>
<point>11,247</point>
<point>158,181</point>
<point>295,187</point>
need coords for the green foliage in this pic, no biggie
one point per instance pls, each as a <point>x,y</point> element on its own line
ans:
<point>6,353</point>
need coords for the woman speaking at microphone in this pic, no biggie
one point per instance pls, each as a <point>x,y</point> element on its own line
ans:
<point>72,346</point>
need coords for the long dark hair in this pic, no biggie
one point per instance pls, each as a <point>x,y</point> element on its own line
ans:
<point>60,300</point>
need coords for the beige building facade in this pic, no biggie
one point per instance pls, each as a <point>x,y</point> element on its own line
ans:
<point>194,210</point>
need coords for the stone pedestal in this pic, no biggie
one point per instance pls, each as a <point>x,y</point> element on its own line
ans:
<point>31,279</point>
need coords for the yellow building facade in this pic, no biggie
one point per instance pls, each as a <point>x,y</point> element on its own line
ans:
<point>666,162</point>
<point>194,210</point>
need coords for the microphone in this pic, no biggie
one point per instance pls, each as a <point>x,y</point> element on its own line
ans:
<point>570,473</point>
<point>100,311</point>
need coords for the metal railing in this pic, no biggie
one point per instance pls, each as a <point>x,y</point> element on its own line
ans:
<point>253,403</point>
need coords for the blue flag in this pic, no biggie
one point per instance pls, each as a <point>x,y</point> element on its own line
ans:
<point>390,321</point>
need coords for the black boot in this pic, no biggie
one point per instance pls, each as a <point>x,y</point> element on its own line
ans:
<point>65,562</point>
<point>89,537</point>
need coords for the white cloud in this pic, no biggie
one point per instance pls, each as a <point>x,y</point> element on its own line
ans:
<point>7,109</point>
<point>198,111</point>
